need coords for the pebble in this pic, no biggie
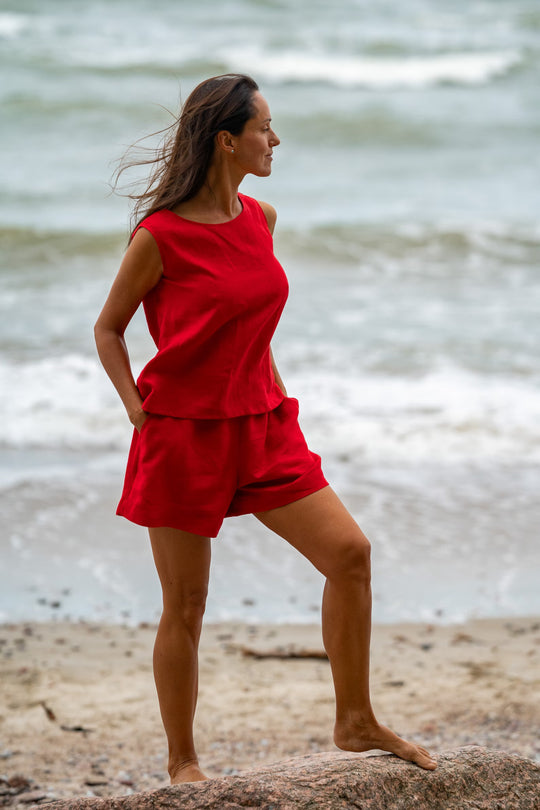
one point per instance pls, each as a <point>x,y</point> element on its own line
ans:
<point>95,781</point>
<point>32,796</point>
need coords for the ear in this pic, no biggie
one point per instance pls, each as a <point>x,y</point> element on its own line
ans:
<point>224,140</point>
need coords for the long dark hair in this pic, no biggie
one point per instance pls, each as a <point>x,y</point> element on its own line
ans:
<point>181,163</point>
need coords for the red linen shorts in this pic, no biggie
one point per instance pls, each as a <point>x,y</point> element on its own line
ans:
<point>192,473</point>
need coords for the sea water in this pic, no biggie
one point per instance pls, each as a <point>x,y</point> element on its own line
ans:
<point>407,185</point>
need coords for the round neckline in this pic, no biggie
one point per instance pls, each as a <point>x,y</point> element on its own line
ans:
<point>211,224</point>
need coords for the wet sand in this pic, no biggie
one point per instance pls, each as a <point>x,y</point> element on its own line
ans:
<point>79,714</point>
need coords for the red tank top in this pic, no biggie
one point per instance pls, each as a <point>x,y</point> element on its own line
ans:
<point>212,316</point>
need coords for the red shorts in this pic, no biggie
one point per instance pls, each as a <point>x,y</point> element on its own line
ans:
<point>190,474</point>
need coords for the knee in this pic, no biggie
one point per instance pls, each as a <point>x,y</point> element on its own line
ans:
<point>352,560</point>
<point>186,606</point>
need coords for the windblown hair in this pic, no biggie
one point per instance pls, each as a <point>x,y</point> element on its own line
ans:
<point>180,164</point>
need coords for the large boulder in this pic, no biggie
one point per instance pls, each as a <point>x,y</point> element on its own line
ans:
<point>472,777</point>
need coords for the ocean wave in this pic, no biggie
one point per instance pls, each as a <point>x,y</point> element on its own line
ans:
<point>68,403</point>
<point>330,240</point>
<point>449,414</point>
<point>61,402</point>
<point>408,71</point>
<point>481,247</point>
<point>356,71</point>
<point>22,247</point>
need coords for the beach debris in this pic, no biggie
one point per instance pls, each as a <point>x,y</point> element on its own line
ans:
<point>282,653</point>
<point>462,638</point>
<point>478,669</point>
<point>81,729</point>
<point>19,789</point>
<point>48,711</point>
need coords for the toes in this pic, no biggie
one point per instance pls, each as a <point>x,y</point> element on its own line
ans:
<point>424,759</point>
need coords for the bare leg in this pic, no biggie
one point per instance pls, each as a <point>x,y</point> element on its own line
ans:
<point>183,563</point>
<point>322,529</point>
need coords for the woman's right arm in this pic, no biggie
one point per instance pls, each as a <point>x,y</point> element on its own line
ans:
<point>140,271</point>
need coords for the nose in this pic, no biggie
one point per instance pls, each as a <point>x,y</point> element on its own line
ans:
<point>275,140</point>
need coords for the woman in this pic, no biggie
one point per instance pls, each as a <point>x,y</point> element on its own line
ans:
<point>215,432</point>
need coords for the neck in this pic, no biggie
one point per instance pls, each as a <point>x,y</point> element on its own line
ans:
<point>217,200</point>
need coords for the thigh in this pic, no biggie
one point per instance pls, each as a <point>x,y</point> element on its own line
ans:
<point>321,528</point>
<point>183,563</point>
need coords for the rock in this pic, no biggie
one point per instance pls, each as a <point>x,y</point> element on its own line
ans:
<point>470,778</point>
<point>35,796</point>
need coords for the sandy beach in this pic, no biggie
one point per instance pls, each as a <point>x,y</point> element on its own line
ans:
<point>79,715</point>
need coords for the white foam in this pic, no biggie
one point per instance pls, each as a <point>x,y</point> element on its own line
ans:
<point>67,402</point>
<point>12,24</point>
<point>60,402</point>
<point>358,71</point>
<point>447,415</point>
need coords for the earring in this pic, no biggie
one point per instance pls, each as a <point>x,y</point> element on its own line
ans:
<point>232,151</point>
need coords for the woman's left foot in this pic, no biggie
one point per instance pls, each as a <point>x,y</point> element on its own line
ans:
<point>357,738</point>
<point>190,772</point>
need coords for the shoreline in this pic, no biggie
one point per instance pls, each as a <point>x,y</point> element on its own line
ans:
<point>80,715</point>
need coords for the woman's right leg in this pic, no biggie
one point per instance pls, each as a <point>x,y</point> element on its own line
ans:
<point>183,564</point>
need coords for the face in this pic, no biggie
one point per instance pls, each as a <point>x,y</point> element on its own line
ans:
<point>253,147</point>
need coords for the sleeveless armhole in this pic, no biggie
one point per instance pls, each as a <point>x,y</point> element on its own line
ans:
<point>155,234</point>
<point>263,215</point>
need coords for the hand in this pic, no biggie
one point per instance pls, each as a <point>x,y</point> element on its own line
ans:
<point>138,419</point>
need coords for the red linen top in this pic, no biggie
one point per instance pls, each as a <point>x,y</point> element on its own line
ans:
<point>212,316</point>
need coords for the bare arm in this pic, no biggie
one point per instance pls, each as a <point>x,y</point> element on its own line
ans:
<point>141,269</point>
<point>271,217</point>
<point>277,374</point>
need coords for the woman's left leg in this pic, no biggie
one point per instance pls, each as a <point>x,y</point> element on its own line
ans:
<point>322,529</point>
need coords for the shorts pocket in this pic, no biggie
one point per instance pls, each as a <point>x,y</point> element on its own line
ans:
<point>144,424</point>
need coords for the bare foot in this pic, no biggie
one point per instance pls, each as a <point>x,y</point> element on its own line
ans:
<point>356,737</point>
<point>187,772</point>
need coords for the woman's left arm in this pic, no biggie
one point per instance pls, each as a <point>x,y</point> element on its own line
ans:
<point>276,373</point>
<point>271,216</point>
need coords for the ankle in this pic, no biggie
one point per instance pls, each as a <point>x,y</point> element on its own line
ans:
<point>177,765</point>
<point>356,719</point>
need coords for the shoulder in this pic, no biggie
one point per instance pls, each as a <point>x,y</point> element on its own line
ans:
<point>270,214</point>
<point>144,251</point>
<point>261,210</point>
<point>154,223</point>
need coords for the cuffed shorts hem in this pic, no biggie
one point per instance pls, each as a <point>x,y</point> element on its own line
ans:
<point>190,523</point>
<point>305,485</point>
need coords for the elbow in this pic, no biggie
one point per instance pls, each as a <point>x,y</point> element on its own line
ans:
<point>102,335</point>
<point>98,333</point>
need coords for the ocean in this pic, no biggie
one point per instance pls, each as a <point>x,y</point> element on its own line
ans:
<point>407,185</point>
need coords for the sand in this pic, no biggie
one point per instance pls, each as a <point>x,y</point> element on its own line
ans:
<point>79,714</point>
